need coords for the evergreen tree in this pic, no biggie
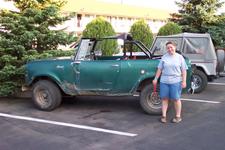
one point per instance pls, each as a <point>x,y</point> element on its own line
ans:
<point>24,35</point>
<point>217,31</point>
<point>142,32</point>
<point>196,15</point>
<point>169,29</point>
<point>99,28</point>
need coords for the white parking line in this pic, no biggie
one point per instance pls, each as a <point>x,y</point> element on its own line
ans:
<point>67,124</point>
<point>200,100</point>
<point>214,83</point>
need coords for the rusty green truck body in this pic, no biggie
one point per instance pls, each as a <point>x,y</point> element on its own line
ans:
<point>90,72</point>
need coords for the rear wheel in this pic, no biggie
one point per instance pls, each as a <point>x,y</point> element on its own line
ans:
<point>46,95</point>
<point>199,80</point>
<point>151,105</point>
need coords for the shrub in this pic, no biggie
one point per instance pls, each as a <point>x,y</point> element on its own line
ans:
<point>141,31</point>
<point>169,29</point>
<point>99,28</point>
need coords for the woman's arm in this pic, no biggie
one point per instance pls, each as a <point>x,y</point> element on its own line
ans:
<point>157,75</point>
<point>184,76</point>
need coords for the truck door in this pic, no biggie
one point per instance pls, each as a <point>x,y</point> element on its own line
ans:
<point>98,75</point>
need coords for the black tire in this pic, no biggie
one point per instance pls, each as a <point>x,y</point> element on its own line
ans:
<point>199,80</point>
<point>220,60</point>
<point>46,95</point>
<point>149,105</point>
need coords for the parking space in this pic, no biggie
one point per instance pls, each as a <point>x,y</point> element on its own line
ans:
<point>114,123</point>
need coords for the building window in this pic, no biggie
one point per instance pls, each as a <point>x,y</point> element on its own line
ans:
<point>79,17</point>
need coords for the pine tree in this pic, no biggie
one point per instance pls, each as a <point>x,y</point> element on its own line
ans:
<point>196,15</point>
<point>217,31</point>
<point>24,35</point>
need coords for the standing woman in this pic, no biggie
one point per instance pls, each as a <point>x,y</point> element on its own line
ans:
<point>172,68</point>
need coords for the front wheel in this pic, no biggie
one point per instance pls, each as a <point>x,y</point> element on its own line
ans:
<point>199,80</point>
<point>150,104</point>
<point>46,95</point>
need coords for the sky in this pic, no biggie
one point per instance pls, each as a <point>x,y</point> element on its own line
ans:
<point>160,4</point>
<point>4,4</point>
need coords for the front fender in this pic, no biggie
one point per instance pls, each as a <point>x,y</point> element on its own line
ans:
<point>65,86</point>
<point>143,80</point>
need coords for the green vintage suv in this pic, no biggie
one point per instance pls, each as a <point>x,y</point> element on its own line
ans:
<point>94,71</point>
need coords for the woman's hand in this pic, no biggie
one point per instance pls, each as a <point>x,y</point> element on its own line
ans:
<point>154,82</point>
<point>183,84</point>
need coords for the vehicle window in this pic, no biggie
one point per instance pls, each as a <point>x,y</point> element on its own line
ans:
<point>195,45</point>
<point>75,50</point>
<point>159,46</point>
<point>131,47</point>
<point>133,51</point>
<point>107,47</point>
<point>85,48</point>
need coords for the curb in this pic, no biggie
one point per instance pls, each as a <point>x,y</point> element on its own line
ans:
<point>20,94</point>
<point>23,94</point>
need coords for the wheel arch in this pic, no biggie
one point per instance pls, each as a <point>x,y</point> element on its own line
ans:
<point>143,83</point>
<point>203,70</point>
<point>51,79</point>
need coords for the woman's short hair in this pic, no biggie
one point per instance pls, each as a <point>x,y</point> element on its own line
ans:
<point>171,42</point>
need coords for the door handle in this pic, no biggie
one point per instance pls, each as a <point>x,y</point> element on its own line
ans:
<point>59,67</point>
<point>75,62</point>
<point>116,65</point>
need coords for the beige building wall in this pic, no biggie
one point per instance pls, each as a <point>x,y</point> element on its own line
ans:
<point>121,16</point>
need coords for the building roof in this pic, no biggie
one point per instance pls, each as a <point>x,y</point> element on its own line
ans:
<point>97,7</point>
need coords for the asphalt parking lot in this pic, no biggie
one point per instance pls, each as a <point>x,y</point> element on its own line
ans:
<point>116,123</point>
